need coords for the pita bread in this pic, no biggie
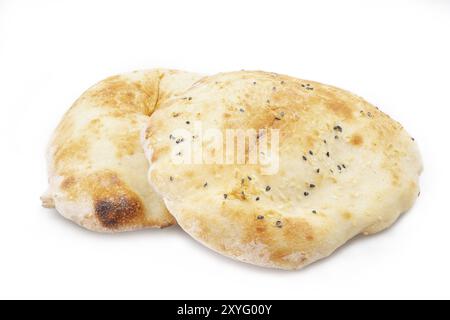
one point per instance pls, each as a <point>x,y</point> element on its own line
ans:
<point>345,168</point>
<point>96,163</point>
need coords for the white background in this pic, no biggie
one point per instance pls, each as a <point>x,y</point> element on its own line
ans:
<point>396,54</point>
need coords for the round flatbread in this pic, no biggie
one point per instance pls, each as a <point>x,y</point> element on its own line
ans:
<point>333,167</point>
<point>96,163</point>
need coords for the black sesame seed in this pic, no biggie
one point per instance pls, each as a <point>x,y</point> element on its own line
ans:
<point>325,141</point>
<point>171,137</point>
<point>303,85</point>
<point>257,199</point>
<point>241,110</point>
<point>254,82</point>
<point>268,188</point>
<point>314,211</point>
<point>279,224</point>
<point>188,122</point>
<point>312,186</point>
<point>328,154</point>
<point>225,196</point>
<point>338,128</point>
<point>171,178</point>
<point>306,194</point>
<point>190,98</point>
<point>179,140</point>
<point>318,170</point>
<point>249,178</point>
<point>260,217</point>
<point>282,82</point>
<point>336,137</point>
<point>274,88</point>
<point>304,158</point>
<point>343,166</point>
<point>339,168</point>
<point>311,153</point>
<point>277,118</point>
<point>205,185</point>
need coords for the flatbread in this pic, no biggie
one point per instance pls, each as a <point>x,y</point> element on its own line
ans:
<point>95,160</point>
<point>345,168</point>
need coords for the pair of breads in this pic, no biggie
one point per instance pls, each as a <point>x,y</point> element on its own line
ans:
<point>343,167</point>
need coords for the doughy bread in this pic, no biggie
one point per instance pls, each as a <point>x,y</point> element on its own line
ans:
<point>95,160</point>
<point>345,168</point>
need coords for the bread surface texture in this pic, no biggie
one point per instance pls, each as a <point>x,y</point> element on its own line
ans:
<point>96,165</point>
<point>345,168</point>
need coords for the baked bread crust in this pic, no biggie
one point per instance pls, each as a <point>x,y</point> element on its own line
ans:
<point>346,169</point>
<point>96,165</point>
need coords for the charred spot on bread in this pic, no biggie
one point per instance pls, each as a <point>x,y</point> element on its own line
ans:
<point>115,205</point>
<point>117,212</point>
